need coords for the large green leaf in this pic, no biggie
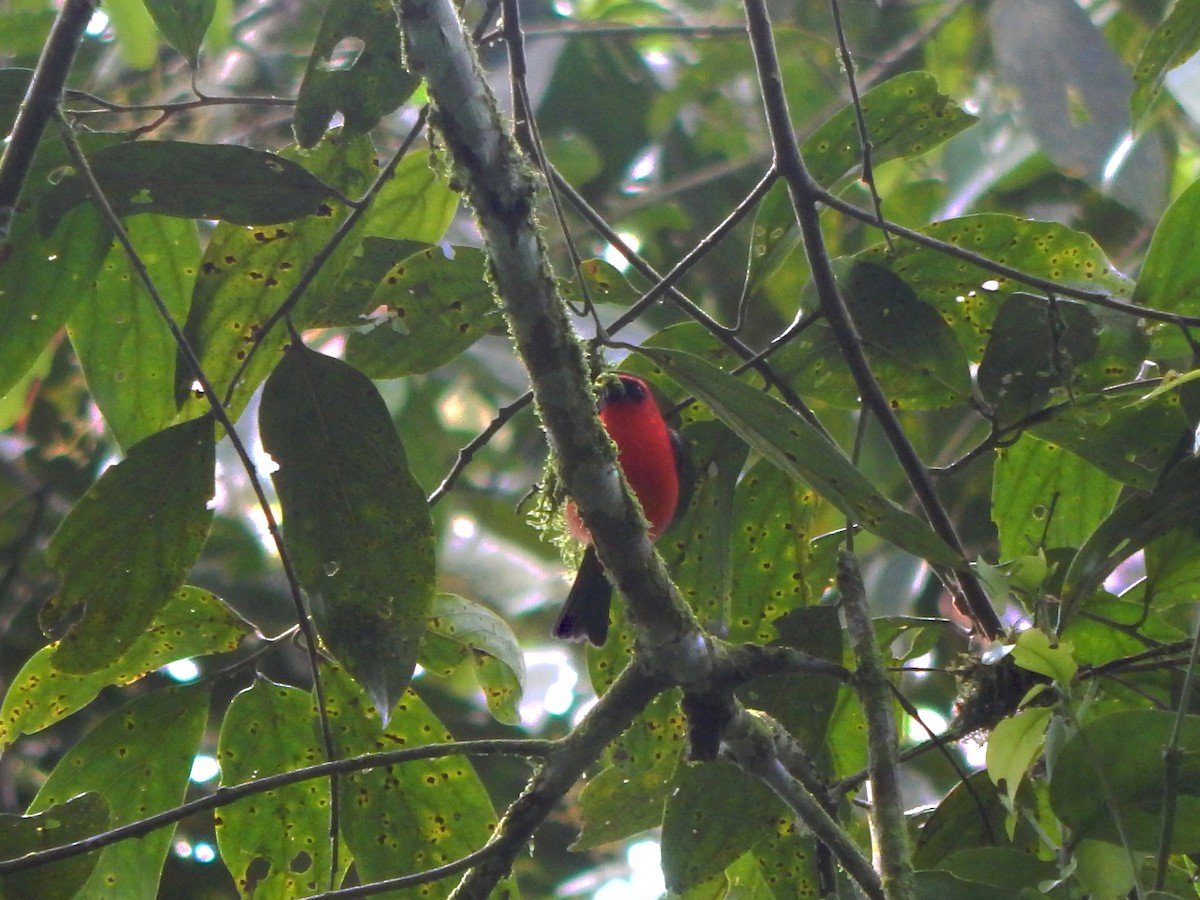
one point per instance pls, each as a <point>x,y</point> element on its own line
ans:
<point>1045,497</point>
<point>697,838</point>
<point>434,307</point>
<point>797,448</point>
<point>912,351</point>
<point>363,88</point>
<point>1131,442</point>
<point>968,297</point>
<point>1113,767</point>
<point>126,350</point>
<point>410,817</point>
<point>63,823</point>
<point>246,274</point>
<point>183,23</point>
<point>355,520</point>
<point>1038,349</point>
<point>139,758</point>
<point>196,181</point>
<point>271,728</point>
<point>124,549</point>
<point>193,623</point>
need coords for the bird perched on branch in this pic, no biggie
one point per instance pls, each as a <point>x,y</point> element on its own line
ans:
<point>653,458</point>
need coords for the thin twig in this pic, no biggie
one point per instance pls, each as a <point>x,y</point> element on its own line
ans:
<point>1171,759</point>
<point>467,453</point>
<point>864,136</point>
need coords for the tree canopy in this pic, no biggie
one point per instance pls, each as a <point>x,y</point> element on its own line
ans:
<point>303,309</point>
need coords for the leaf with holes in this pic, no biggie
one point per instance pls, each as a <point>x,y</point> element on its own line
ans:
<point>355,519</point>
<point>268,729</point>
<point>432,307</point>
<point>193,623</point>
<point>1043,496</point>
<point>364,85</point>
<point>125,547</point>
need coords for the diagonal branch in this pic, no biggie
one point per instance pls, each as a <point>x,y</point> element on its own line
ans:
<point>805,194</point>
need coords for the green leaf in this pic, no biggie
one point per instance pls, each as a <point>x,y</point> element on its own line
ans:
<point>1131,442</point>
<point>63,823</point>
<point>780,563</point>
<point>912,351</point>
<point>146,747</point>
<point>968,297</point>
<point>697,840</point>
<point>246,274</point>
<point>183,23</point>
<point>1000,867</point>
<point>1104,869</point>
<point>1013,746</point>
<point>1170,276</point>
<point>417,203</point>
<point>404,818</point>
<point>124,549</point>
<point>42,280</point>
<point>193,623</point>
<point>1170,45</point>
<point>697,546</point>
<point>944,886</point>
<point>1114,765</point>
<point>906,116</point>
<point>618,804</point>
<point>971,815</point>
<point>1132,525</point>
<point>272,728</point>
<point>1045,497</point>
<point>194,181</point>
<point>436,307</point>
<point>126,350</point>
<point>803,704</point>
<point>133,28</point>
<point>797,448</point>
<point>355,520</point>
<point>1033,651</point>
<point>500,662</point>
<point>1038,350</point>
<point>366,86</point>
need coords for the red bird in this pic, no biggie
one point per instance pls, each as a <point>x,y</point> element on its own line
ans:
<point>652,457</point>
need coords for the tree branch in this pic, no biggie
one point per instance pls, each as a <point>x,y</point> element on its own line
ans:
<point>804,194</point>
